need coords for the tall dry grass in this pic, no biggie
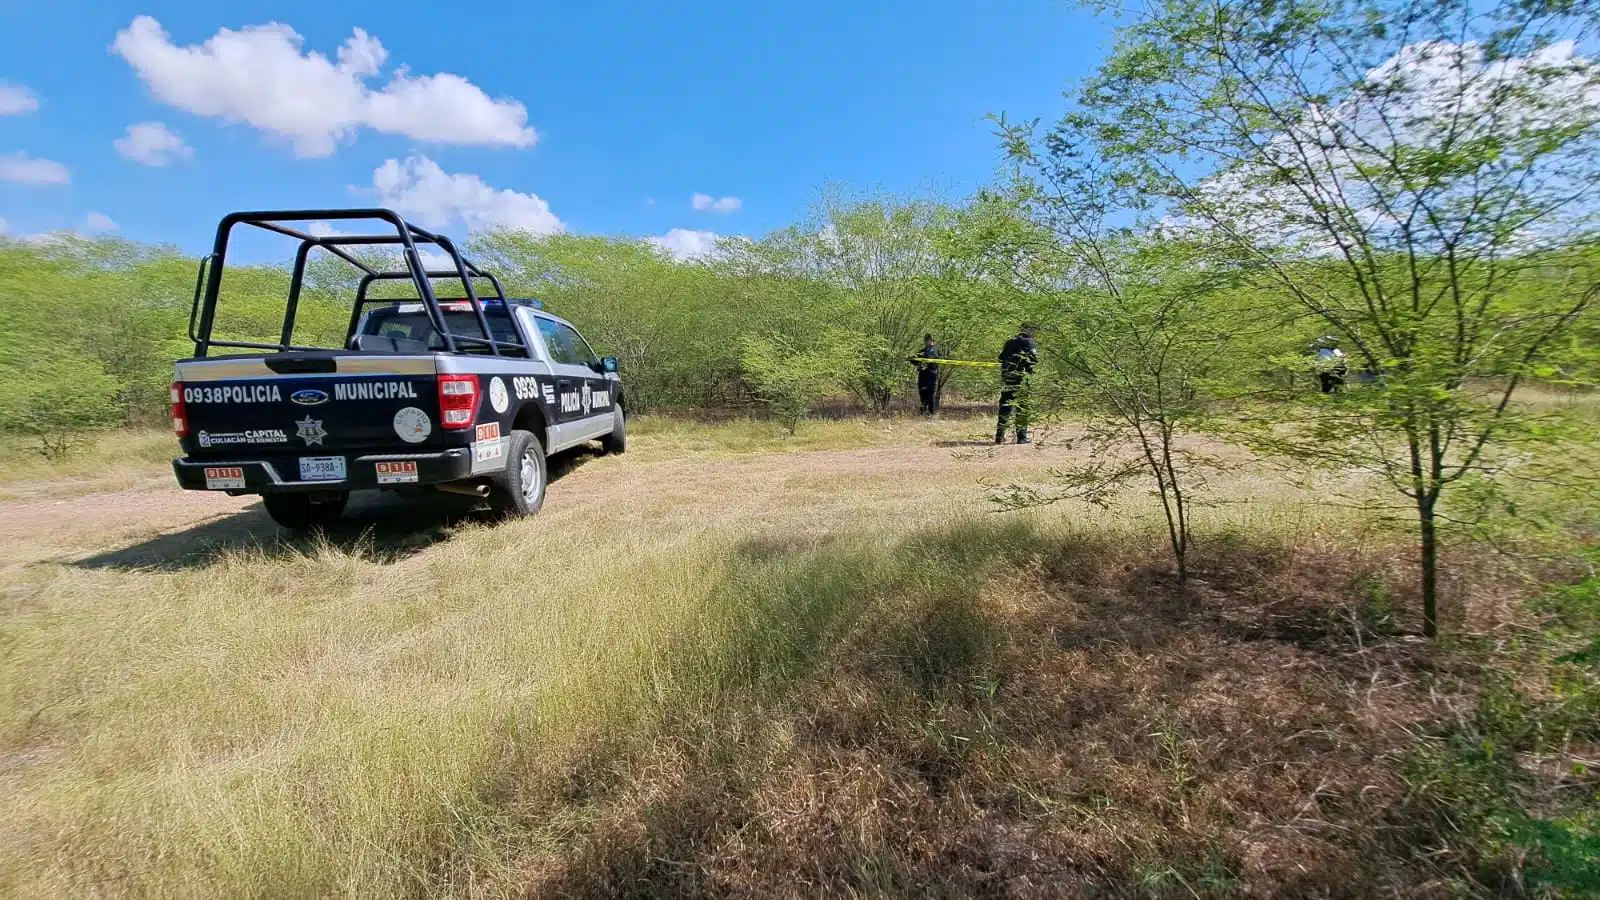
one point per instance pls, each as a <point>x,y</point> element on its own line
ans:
<point>516,704</point>
<point>332,722</point>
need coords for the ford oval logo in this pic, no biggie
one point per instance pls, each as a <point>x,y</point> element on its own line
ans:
<point>309,397</point>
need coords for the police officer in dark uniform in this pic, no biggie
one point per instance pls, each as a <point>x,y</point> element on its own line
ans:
<point>928,375</point>
<point>1329,363</point>
<point>1017,359</point>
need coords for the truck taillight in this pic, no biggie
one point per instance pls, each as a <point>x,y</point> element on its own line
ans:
<point>180,411</point>
<point>458,401</point>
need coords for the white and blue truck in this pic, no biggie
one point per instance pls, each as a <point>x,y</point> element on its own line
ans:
<point>465,395</point>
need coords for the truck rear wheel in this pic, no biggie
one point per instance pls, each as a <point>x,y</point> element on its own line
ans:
<point>519,490</point>
<point>300,511</point>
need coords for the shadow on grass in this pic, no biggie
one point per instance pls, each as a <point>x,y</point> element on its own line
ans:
<point>387,526</point>
<point>986,710</point>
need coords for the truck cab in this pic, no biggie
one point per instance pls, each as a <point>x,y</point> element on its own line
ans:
<point>462,395</point>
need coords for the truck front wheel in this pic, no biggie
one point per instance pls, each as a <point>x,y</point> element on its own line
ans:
<point>300,511</point>
<point>617,440</point>
<point>519,490</point>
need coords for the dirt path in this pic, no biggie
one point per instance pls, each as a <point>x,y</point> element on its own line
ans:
<point>155,524</point>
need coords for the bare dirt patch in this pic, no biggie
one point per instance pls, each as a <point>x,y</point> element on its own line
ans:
<point>43,525</point>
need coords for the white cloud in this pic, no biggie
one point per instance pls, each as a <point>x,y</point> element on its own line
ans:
<point>1428,97</point>
<point>99,221</point>
<point>436,260</point>
<point>419,189</point>
<point>57,237</point>
<point>152,144</point>
<point>16,99</point>
<point>685,244</point>
<point>26,169</point>
<point>432,258</point>
<point>393,258</point>
<point>708,203</point>
<point>322,229</point>
<point>259,75</point>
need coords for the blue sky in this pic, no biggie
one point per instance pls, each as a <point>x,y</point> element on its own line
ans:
<point>595,118</point>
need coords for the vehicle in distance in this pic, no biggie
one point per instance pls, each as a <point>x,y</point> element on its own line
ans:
<point>466,395</point>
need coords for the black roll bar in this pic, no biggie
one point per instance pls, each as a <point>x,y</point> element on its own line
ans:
<point>199,285</point>
<point>406,236</point>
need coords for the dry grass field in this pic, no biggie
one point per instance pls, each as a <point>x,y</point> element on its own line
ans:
<point>726,663</point>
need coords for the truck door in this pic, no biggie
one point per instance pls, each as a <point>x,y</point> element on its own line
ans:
<point>583,394</point>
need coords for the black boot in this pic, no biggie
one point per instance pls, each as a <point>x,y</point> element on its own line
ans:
<point>1022,437</point>
<point>1000,435</point>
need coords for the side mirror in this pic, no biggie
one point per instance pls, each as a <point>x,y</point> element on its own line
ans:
<point>608,363</point>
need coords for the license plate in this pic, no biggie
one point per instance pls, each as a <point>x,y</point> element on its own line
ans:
<point>322,468</point>
<point>224,478</point>
<point>397,472</point>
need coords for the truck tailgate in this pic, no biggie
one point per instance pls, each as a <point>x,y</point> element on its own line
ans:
<point>312,401</point>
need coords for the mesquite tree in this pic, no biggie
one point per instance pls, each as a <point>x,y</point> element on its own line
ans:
<point>1395,169</point>
<point>1139,338</point>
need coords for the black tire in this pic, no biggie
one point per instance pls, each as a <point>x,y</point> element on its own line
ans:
<point>519,490</point>
<point>300,511</point>
<point>617,440</point>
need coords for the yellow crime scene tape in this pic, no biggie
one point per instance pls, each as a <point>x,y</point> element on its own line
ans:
<point>957,362</point>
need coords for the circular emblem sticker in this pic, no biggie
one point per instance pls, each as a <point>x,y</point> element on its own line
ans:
<point>412,425</point>
<point>498,397</point>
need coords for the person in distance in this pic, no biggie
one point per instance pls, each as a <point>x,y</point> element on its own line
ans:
<point>1017,359</point>
<point>927,375</point>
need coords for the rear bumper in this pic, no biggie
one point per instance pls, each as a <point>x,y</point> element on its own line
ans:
<point>281,474</point>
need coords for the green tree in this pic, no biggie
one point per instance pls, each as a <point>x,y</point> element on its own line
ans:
<point>790,377</point>
<point>983,290</point>
<point>882,254</point>
<point>1139,339</point>
<point>112,305</point>
<point>1391,168</point>
<point>54,399</point>
<point>675,326</point>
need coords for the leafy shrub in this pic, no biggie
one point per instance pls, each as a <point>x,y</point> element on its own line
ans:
<point>791,380</point>
<point>55,399</point>
<point>1515,824</point>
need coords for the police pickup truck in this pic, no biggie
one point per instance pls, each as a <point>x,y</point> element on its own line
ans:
<point>464,395</point>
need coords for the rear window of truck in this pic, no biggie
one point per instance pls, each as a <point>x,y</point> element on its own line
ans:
<point>414,326</point>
